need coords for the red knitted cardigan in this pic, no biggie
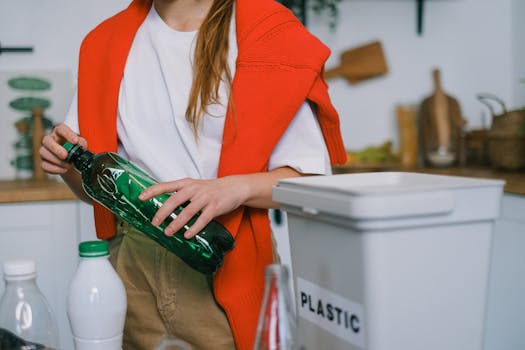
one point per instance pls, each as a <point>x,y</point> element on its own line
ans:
<point>279,66</point>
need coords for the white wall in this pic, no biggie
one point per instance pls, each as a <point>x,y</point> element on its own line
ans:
<point>471,41</point>
<point>54,27</point>
<point>518,46</point>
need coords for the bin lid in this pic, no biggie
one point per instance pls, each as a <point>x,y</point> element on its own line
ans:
<point>377,195</point>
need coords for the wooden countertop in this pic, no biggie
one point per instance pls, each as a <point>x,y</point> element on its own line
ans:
<point>16,191</point>
<point>514,181</point>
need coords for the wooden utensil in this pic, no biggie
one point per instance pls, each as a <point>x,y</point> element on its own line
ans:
<point>406,120</point>
<point>37,134</point>
<point>441,112</point>
<point>440,123</point>
<point>360,63</point>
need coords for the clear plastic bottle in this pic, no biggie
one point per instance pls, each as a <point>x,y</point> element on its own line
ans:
<point>169,342</point>
<point>276,329</point>
<point>26,319</point>
<point>97,300</point>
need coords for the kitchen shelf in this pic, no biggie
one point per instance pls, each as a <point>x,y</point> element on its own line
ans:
<point>15,191</point>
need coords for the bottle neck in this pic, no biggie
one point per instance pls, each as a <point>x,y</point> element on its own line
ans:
<point>80,158</point>
<point>95,262</point>
<point>276,274</point>
<point>94,258</point>
<point>84,161</point>
<point>16,283</point>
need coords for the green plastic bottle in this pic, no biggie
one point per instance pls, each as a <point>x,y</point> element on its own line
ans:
<point>116,183</point>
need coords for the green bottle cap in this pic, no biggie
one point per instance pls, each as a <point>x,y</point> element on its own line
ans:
<point>71,150</point>
<point>93,249</point>
<point>68,146</point>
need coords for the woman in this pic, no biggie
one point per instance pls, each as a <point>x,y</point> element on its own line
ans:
<point>219,100</point>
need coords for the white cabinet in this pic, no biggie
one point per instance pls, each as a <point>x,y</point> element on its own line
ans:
<point>506,295</point>
<point>49,233</point>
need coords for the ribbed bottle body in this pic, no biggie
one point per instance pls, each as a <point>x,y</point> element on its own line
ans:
<point>116,183</point>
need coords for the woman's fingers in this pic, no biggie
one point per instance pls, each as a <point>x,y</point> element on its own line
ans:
<point>199,225</point>
<point>182,219</point>
<point>60,134</point>
<point>185,190</point>
<point>50,158</point>
<point>63,131</point>
<point>163,187</point>
<point>52,152</point>
<point>53,155</point>
<point>53,169</point>
<point>173,202</point>
<point>82,142</point>
<point>211,198</point>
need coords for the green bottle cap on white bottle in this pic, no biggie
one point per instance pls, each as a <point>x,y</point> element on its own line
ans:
<point>93,249</point>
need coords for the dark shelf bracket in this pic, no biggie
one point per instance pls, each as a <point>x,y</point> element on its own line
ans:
<point>19,49</point>
<point>419,14</point>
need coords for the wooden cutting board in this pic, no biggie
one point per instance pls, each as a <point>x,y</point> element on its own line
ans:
<point>440,119</point>
<point>360,63</point>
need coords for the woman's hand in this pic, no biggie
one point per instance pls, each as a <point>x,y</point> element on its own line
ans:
<point>212,197</point>
<point>53,154</point>
<point>54,158</point>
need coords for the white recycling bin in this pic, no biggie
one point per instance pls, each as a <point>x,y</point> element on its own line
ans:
<point>390,260</point>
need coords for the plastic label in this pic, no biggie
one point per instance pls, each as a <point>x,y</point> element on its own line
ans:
<point>331,312</point>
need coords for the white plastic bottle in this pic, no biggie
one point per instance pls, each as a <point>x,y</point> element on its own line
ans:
<point>97,300</point>
<point>26,319</point>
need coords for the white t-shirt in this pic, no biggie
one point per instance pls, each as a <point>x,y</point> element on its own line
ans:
<point>151,125</point>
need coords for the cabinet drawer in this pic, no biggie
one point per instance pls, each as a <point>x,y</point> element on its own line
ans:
<point>38,215</point>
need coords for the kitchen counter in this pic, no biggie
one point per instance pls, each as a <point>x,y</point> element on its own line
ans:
<point>514,181</point>
<point>16,191</point>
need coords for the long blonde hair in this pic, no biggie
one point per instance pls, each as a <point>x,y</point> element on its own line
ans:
<point>210,66</point>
